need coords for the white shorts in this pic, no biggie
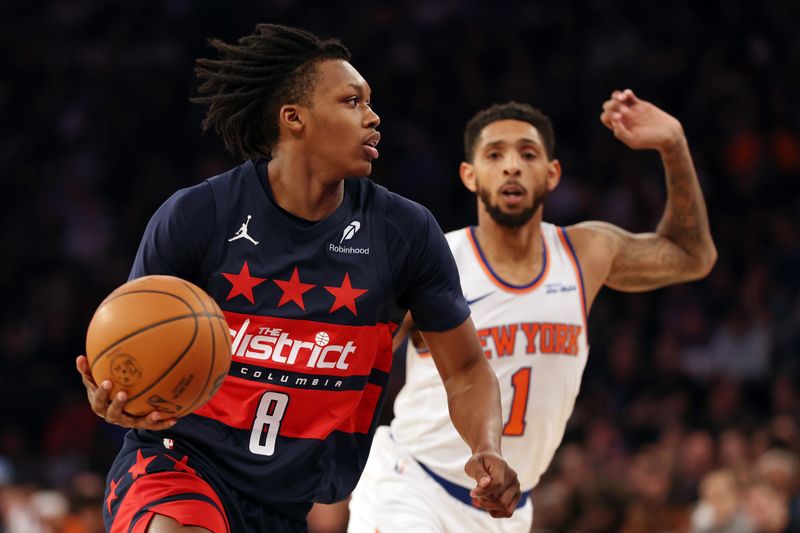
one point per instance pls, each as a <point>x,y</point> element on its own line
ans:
<point>395,495</point>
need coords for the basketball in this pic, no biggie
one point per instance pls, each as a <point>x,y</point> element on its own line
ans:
<point>162,340</point>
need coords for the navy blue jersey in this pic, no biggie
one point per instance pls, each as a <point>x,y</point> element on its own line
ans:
<point>312,308</point>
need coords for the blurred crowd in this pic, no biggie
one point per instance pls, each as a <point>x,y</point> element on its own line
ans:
<point>688,416</point>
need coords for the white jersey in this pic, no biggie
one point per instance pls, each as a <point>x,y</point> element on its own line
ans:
<point>534,337</point>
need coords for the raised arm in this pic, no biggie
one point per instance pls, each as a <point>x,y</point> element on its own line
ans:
<point>681,248</point>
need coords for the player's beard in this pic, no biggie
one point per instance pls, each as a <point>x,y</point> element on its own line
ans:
<point>511,220</point>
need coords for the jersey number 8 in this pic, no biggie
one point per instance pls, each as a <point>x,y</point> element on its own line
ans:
<point>269,414</point>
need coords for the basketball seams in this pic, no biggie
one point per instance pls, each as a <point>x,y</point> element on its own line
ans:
<point>119,341</point>
<point>191,289</point>
<point>212,364</point>
<point>210,367</point>
<point>174,363</point>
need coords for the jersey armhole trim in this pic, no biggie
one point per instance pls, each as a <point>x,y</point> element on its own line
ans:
<point>576,264</point>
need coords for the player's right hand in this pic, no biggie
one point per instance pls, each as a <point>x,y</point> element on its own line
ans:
<point>112,410</point>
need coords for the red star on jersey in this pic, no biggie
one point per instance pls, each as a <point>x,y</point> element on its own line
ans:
<point>140,468</point>
<point>112,495</point>
<point>293,290</point>
<point>345,295</point>
<point>182,465</point>
<point>243,283</point>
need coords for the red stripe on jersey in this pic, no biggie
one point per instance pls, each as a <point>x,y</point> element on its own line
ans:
<point>153,487</point>
<point>310,347</point>
<point>310,414</point>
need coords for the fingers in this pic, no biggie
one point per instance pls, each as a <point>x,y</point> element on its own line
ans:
<point>82,364</point>
<point>155,421</point>
<point>508,502</point>
<point>486,484</point>
<point>503,505</point>
<point>500,493</point>
<point>115,414</point>
<point>625,97</point>
<point>477,471</point>
<point>113,410</point>
<point>617,107</point>
<point>98,397</point>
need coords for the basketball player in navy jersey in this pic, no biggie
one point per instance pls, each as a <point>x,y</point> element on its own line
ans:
<point>530,285</point>
<point>298,258</point>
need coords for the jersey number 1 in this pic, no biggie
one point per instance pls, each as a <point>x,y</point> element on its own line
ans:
<point>269,414</point>
<point>521,380</point>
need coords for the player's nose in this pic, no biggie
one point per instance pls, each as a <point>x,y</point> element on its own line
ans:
<point>371,119</point>
<point>511,166</point>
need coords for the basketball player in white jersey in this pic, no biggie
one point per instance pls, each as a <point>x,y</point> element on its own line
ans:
<point>530,285</point>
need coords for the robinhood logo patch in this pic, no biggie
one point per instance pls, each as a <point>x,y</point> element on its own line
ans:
<point>347,234</point>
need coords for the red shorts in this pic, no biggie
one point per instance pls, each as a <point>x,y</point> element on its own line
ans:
<point>145,481</point>
<point>182,496</point>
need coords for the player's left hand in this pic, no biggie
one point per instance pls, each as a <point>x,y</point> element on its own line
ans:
<point>497,486</point>
<point>640,124</point>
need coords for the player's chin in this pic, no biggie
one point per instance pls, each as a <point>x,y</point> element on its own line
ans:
<point>361,168</point>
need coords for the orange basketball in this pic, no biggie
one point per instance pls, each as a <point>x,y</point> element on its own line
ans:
<point>162,340</point>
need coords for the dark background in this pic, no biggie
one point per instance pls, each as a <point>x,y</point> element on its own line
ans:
<point>97,131</point>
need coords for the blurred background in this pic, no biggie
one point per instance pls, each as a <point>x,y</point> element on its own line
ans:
<point>688,416</point>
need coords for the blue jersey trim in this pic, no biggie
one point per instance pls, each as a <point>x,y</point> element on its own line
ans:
<point>500,280</point>
<point>580,270</point>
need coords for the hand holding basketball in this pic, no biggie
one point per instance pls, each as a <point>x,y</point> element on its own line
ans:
<point>159,348</point>
<point>113,411</point>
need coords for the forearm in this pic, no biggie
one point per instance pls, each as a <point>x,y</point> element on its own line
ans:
<point>685,219</point>
<point>473,397</point>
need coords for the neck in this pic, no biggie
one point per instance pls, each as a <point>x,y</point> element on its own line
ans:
<point>301,189</point>
<point>515,254</point>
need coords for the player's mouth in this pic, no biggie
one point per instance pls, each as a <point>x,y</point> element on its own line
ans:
<point>369,145</point>
<point>512,193</point>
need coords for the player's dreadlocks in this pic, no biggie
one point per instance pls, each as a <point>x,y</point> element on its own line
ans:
<point>509,111</point>
<point>246,87</point>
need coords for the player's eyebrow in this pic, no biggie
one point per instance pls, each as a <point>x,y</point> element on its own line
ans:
<point>523,141</point>
<point>359,88</point>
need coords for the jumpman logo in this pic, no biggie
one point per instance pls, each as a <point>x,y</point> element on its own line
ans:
<point>242,233</point>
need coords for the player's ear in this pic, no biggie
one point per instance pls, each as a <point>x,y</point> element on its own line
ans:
<point>467,173</point>
<point>291,118</point>
<point>553,174</point>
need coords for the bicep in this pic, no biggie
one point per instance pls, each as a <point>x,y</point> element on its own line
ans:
<point>636,262</point>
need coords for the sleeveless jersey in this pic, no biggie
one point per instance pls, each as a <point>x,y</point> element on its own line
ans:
<point>534,337</point>
<point>311,308</point>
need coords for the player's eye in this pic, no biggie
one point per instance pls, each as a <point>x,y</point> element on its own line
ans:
<point>494,156</point>
<point>529,155</point>
<point>352,101</point>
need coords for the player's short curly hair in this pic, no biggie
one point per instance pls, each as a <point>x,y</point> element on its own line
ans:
<point>248,83</point>
<point>509,111</point>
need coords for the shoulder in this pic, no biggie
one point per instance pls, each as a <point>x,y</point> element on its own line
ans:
<point>401,208</point>
<point>409,221</point>
<point>189,204</point>
<point>595,244</point>
<point>595,239</point>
